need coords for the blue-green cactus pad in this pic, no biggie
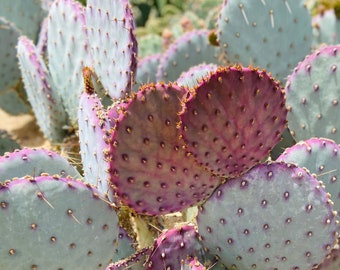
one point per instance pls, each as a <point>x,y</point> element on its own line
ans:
<point>26,15</point>
<point>326,28</point>
<point>191,49</point>
<point>9,71</point>
<point>313,96</point>
<point>147,69</point>
<point>110,27</point>
<point>93,137</point>
<point>276,216</point>
<point>321,157</point>
<point>195,74</point>
<point>10,100</point>
<point>34,162</point>
<point>46,103</point>
<point>67,52</point>
<point>274,35</point>
<point>55,223</point>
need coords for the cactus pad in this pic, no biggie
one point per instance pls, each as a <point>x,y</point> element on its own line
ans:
<point>321,157</point>
<point>110,28</point>
<point>173,247</point>
<point>34,162</point>
<point>233,119</point>
<point>68,51</point>
<point>150,169</point>
<point>55,223</point>
<point>280,30</point>
<point>93,127</point>
<point>191,49</point>
<point>47,105</point>
<point>313,95</point>
<point>259,220</point>
<point>195,74</point>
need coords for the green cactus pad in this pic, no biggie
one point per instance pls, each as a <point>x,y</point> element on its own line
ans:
<point>110,28</point>
<point>55,223</point>
<point>34,162</point>
<point>26,15</point>
<point>47,105</point>
<point>326,28</point>
<point>233,119</point>
<point>274,35</point>
<point>67,51</point>
<point>147,70</point>
<point>9,71</point>
<point>150,169</point>
<point>321,157</point>
<point>10,100</point>
<point>313,95</point>
<point>7,143</point>
<point>191,49</point>
<point>276,216</point>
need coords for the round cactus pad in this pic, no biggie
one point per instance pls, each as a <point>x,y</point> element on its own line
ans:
<point>150,169</point>
<point>313,96</point>
<point>233,119</point>
<point>321,157</point>
<point>173,247</point>
<point>35,162</point>
<point>276,216</point>
<point>55,223</point>
<point>274,35</point>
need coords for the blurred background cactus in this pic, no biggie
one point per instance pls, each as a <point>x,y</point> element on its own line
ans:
<point>175,134</point>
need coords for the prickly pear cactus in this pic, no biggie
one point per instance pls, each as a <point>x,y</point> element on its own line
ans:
<point>34,162</point>
<point>313,96</point>
<point>173,247</point>
<point>133,262</point>
<point>233,119</point>
<point>195,74</point>
<point>326,28</point>
<point>321,157</point>
<point>49,222</point>
<point>110,24</point>
<point>192,264</point>
<point>150,169</point>
<point>26,15</point>
<point>48,107</point>
<point>7,143</point>
<point>147,70</point>
<point>67,51</point>
<point>247,28</point>
<point>332,261</point>
<point>12,99</point>
<point>93,127</point>
<point>191,49</point>
<point>261,221</point>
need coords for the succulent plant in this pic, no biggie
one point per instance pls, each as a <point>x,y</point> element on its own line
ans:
<point>313,96</point>
<point>163,136</point>
<point>246,28</point>
<point>16,18</point>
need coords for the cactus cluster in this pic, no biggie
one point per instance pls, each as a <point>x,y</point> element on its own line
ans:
<point>181,166</point>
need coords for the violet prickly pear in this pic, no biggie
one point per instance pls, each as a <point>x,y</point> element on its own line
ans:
<point>233,119</point>
<point>150,169</point>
